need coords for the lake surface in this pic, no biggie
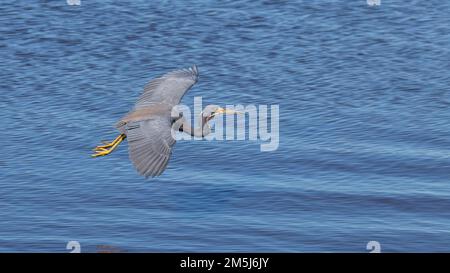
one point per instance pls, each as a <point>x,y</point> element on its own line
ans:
<point>364,153</point>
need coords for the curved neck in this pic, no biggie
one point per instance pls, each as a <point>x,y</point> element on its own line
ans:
<point>201,130</point>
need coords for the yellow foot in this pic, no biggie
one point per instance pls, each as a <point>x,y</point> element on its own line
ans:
<point>108,144</point>
<point>103,150</point>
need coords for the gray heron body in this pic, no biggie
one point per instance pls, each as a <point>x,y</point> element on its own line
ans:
<point>147,127</point>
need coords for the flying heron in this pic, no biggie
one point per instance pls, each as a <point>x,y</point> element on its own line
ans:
<point>147,127</point>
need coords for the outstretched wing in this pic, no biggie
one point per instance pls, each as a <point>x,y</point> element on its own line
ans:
<point>169,88</point>
<point>150,144</point>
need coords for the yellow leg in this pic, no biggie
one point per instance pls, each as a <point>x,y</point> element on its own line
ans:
<point>102,150</point>
<point>108,144</point>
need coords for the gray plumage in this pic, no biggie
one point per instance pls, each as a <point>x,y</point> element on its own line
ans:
<point>168,89</point>
<point>148,125</point>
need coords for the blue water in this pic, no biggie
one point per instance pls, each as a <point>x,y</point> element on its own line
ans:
<point>364,154</point>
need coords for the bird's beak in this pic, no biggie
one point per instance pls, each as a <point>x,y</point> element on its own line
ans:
<point>225,112</point>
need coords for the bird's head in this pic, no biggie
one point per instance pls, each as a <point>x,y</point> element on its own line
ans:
<point>211,111</point>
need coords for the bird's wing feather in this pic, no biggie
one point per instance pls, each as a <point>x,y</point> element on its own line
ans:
<point>169,88</point>
<point>150,144</point>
